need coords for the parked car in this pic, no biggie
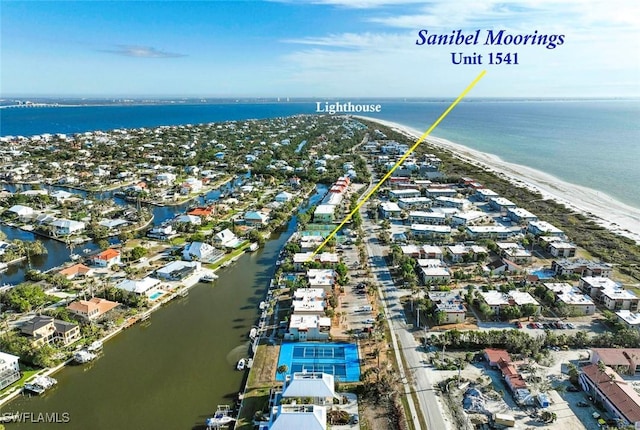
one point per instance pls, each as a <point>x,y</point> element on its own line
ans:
<point>518,324</point>
<point>582,404</point>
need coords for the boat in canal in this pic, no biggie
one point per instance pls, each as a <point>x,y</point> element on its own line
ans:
<point>95,346</point>
<point>220,419</point>
<point>210,277</point>
<point>83,356</point>
<point>254,246</point>
<point>253,333</point>
<point>242,363</point>
<point>40,384</point>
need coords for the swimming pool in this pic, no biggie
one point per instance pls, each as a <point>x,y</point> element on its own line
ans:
<point>544,273</point>
<point>156,295</point>
<point>338,359</point>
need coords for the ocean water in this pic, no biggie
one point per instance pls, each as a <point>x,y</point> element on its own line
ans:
<point>593,143</point>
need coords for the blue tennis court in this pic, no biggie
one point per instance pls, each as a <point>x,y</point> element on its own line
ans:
<point>338,359</point>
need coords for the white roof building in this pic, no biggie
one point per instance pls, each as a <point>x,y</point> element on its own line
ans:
<point>307,417</point>
<point>313,384</point>
<point>139,287</point>
<point>631,319</point>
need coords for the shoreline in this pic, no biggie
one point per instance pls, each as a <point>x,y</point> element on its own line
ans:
<point>606,211</point>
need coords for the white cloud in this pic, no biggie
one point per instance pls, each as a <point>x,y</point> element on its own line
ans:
<point>141,52</point>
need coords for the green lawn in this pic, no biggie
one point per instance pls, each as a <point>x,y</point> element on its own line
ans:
<point>229,256</point>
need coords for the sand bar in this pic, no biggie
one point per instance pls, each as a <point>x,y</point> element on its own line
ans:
<point>603,209</point>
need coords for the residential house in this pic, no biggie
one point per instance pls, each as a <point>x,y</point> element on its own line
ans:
<point>255,218</point>
<point>226,238</point>
<point>497,300</point>
<point>106,258</point>
<point>521,216</point>
<point>65,227</point>
<point>324,214</point>
<point>404,193</point>
<point>431,218</point>
<point>304,328</point>
<point>162,232</point>
<point>614,393</point>
<point>543,228</point>
<point>23,212</point>
<point>609,293</point>
<point>578,302</point>
<point>433,232</point>
<point>177,270</point>
<point>205,213</point>
<point>139,287</point>
<point>450,304</point>
<point>412,203</point>
<point>469,218</point>
<point>433,271</point>
<point>321,278</point>
<point>562,249</point>
<point>489,232</point>
<point>61,195</point>
<point>318,386</point>
<point>283,197</point>
<point>46,330</point>
<point>91,309</point>
<point>188,219</point>
<point>485,194</point>
<point>494,356</point>
<point>624,360</point>
<point>324,258</point>
<point>76,271</point>
<point>581,267</point>
<point>296,416</point>
<point>9,369</point>
<point>309,301</point>
<point>191,185</point>
<point>390,210</point>
<point>630,319</point>
<point>501,204</point>
<point>200,251</point>
<point>451,202</point>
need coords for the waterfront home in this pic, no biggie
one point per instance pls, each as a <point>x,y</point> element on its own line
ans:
<point>321,278</point>
<point>562,249</point>
<point>21,211</point>
<point>61,195</point>
<point>177,270</point>
<point>501,204</point>
<point>106,258</point>
<point>113,224</point>
<point>625,360</point>
<point>616,395</point>
<point>318,386</point>
<point>204,213</point>
<point>200,251</point>
<point>324,214</point>
<point>469,218</point>
<point>574,299</point>
<point>497,300</point>
<point>489,232</point>
<point>543,228</point>
<point>521,216</point>
<point>324,258</point>
<point>91,309</point>
<point>47,330</point>
<point>255,218</point>
<point>295,416</point>
<point>283,197</point>
<point>138,287</point>
<point>76,271</point>
<point>485,194</point>
<point>227,239</point>
<point>187,219</point>
<point>304,328</point>
<point>165,178</point>
<point>161,232</point>
<point>64,227</point>
<point>9,369</point>
<point>309,301</point>
<point>409,203</point>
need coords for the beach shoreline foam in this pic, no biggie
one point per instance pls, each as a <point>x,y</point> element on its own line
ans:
<point>608,212</point>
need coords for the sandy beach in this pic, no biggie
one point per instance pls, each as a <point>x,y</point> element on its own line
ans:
<point>606,211</point>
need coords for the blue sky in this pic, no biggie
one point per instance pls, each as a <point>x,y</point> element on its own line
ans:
<point>311,48</point>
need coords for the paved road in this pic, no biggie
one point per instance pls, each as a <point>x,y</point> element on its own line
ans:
<point>408,346</point>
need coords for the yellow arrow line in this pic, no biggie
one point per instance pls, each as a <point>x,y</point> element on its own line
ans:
<point>400,161</point>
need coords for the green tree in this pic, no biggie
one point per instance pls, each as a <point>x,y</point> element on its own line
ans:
<point>138,252</point>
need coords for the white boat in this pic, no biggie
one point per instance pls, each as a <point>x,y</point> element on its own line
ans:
<point>86,250</point>
<point>74,257</point>
<point>249,363</point>
<point>95,346</point>
<point>253,333</point>
<point>220,419</point>
<point>40,384</point>
<point>3,267</point>
<point>208,277</point>
<point>263,305</point>
<point>83,356</point>
<point>242,363</point>
<point>254,246</point>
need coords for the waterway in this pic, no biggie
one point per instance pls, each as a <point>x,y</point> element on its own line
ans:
<point>58,253</point>
<point>171,373</point>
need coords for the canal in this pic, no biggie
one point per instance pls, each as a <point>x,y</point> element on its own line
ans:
<point>58,253</point>
<point>171,372</point>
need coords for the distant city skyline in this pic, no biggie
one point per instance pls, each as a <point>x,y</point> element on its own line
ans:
<point>312,48</point>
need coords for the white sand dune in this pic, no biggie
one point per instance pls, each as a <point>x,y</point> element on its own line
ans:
<point>603,209</point>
